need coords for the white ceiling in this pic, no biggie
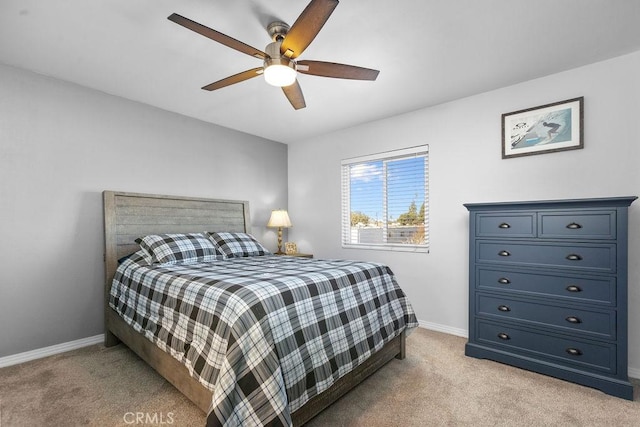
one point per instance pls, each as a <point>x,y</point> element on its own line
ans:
<point>428,52</point>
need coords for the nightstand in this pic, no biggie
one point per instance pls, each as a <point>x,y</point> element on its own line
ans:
<point>299,255</point>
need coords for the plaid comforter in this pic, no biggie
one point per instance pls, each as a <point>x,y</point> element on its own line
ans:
<point>264,334</point>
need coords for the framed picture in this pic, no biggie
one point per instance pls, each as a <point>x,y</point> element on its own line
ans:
<point>544,129</point>
<point>290,248</point>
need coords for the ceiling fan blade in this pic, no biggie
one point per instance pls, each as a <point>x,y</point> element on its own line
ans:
<point>338,71</point>
<point>307,27</point>
<point>294,95</point>
<point>217,36</point>
<point>236,78</point>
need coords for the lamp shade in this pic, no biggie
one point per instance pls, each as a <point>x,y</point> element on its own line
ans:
<point>279,218</point>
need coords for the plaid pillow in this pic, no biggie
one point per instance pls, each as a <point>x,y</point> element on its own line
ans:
<point>238,244</point>
<point>139,256</point>
<point>183,248</point>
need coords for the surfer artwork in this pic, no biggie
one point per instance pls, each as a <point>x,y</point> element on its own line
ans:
<point>539,130</point>
<point>546,128</point>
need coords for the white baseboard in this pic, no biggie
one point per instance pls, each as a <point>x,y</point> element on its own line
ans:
<point>50,351</point>
<point>444,328</point>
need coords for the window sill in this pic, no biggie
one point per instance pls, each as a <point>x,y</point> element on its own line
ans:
<point>389,248</point>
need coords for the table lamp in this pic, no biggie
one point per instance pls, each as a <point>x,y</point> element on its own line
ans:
<point>279,218</point>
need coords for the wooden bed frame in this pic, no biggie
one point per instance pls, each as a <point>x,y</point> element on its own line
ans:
<point>128,216</point>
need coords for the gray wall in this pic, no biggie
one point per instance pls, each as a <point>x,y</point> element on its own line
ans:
<point>466,166</point>
<point>61,145</point>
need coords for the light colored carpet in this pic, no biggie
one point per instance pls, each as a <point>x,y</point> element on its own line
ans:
<point>436,385</point>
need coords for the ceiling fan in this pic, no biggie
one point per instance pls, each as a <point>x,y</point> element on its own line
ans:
<point>280,66</point>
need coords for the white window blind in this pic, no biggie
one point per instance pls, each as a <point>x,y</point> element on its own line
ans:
<point>385,200</point>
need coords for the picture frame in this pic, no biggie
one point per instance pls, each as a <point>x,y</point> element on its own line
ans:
<point>544,129</point>
<point>290,248</point>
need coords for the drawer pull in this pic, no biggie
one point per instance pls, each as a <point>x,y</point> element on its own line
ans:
<point>504,253</point>
<point>574,226</point>
<point>574,257</point>
<point>573,288</point>
<point>574,351</point>
<point>504,281</point>
<point>503,336</point>
<point>573,319</point>
<point>504,308</point>
<point>504,225</point>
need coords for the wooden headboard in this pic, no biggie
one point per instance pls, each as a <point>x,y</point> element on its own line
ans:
<point>128,216</point>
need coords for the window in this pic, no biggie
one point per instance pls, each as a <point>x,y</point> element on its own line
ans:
<point>385,202</point>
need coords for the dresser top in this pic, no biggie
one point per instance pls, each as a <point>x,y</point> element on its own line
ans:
<point>555,204</point>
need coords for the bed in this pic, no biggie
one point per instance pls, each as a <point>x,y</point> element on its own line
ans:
<point>129,216</point>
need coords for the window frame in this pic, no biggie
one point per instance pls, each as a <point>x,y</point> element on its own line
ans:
<point>345,206</point>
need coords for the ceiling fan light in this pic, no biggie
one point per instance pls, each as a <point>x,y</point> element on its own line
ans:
<point>280,75</point>
<point>278,70</point>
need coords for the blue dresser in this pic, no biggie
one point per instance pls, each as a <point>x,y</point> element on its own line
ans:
<point>548,288</point>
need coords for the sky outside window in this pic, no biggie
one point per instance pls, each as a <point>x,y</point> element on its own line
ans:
<point>405,184</point>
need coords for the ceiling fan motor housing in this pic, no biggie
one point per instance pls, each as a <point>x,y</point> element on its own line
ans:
<point>275,57</point>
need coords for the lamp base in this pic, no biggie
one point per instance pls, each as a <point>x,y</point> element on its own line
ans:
<point>279,242</point>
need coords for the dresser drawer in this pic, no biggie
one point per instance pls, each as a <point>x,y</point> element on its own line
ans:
<point>522,224</point>
<point>600,324</point>
<point>568,287</point>
<point>572,225</point>
<point>592,257</point>
<point>591,355</point>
